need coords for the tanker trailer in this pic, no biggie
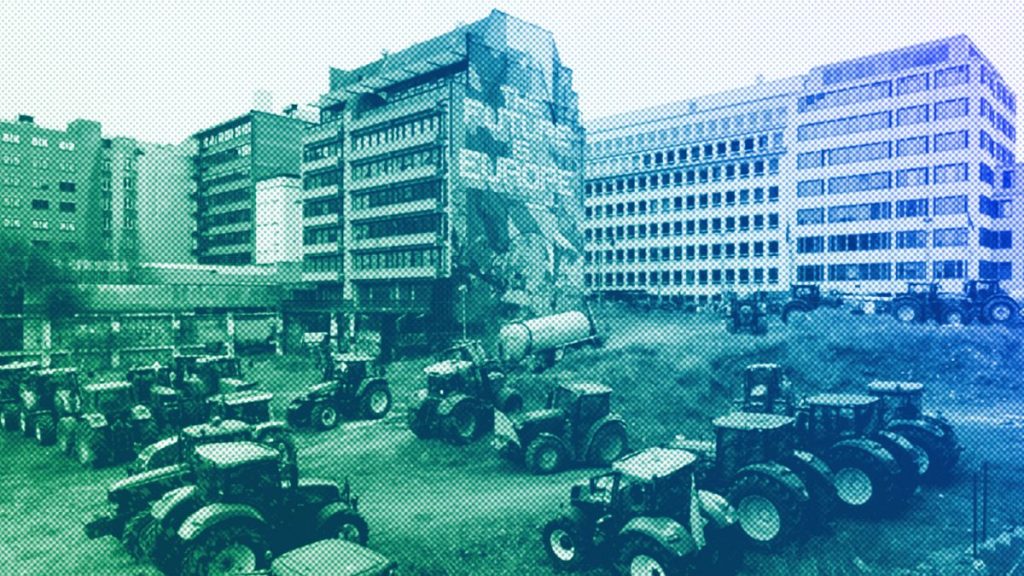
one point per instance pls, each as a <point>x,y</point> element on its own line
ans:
<point>540,342</point>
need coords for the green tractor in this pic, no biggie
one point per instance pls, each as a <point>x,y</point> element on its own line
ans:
<point>781,494</point>
<point>577,427</point>
<point>464,388</point>
<point>903,413</point>
<point>647,517</point>
<point>198,388</point>
<point>169,464</point>
<point>747,314</point>
<point>47,396</point>
<point>11,377</point>
<point>111,425</point>
<point>356,388</point>
<point>806,298</point>
<point>241,510</point>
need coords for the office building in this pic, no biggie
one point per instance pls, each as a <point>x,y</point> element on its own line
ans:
<point>278,220</point>
<point>230,159</point>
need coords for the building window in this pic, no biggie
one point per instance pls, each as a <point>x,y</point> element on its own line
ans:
<point>860,183</point>
<point>950,173</point>
<point>40,205</point>
<point>806,188</point>
<point>995,239</point>
<point>950,205</point>
<point>40,142</point>
<point>948,269</point>
<point>67,206</point>
<point>956,108</point>
<point>859,212</point>
<point>912,208</point>
<point>809,159</point>
<point>950,141</point>
<point>911,84</point>
<point>810,216</point>
<point>912,115</point>
<point>811,273</point>
<point>912,177</point>
<point>912,146</point>
<point>852,272</point>
<point>911,271</point>
<point>912,239</point>
<point>810,244</point>
<point>952,76</point>
<point>944,237</point>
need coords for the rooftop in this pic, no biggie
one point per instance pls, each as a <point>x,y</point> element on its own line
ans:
<point>841,400</point>
<point>752,421</point>
<point>227,454</point>
<point>654,462</point>
<point>895,386</point>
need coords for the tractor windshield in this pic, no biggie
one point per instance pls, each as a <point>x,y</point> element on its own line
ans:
<point>107,400</point>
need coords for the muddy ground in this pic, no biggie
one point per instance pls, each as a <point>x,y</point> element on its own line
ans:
<point>458,511</point>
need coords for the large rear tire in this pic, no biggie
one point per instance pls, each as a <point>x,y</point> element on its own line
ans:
<point>941,450</point>
<point>91,447</point>
<point>641,556</point>
<point>769,511</point>
<point>866,477</point>
<point>133,534</point>
<point>568,542</point>
<point>794,312</point>
<point>9,417</point>
<point>545,456</point>
<point>913,464</point>
<point>1000,311</point>
<point>906,311</point>
<point>225,549</point>
<point>820,483</point>
<point>344,525</point>
<point>419,420</point>
<point>609,443</point>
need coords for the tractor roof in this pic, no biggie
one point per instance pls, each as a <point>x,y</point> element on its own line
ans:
<point>352,357</point>
<point>654,462</point>
<point>231,454</point>
<point>224,427</point>
<point>752,421</point>
<point>841,400</point>
<point>246,396</point>
<point>765,366</point>
<point>586,387</point>
<point>895,387</point>
<point>147,367</point>
<point>56,371</point>
<point>106,386</point>
<point>25,365</point>
<point>211,359</point>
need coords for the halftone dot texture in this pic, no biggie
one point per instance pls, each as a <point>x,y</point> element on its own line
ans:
<point>429,314</point>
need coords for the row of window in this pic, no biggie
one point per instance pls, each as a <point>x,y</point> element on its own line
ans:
<point>397,163</point>
<point>321,207</point>
<point>233,176</point>
<point>728,276</point>
<point>409,258</point>
<point>944,174</point>
<point>943,142</point>
<point>676,204</point>
<point>225,218</point>
<point>37,204</point>
<point>997,120</point>
<point>227,155</point>
<point>321,262</point>
<point>667,179</point>
<point>675,228</point>
<point>328,234</point>
<point>877,211</point>
<point>706,152</point>
<point>689,131</point>
<point>321,179</point>
<point>1001,154</point>
<point>227,238</point>
<point>233,259</point>
<point>995,239</point>
<point>994,208</point>
<point>37,141</point>
<point>39,224</point>
<point>913,270</point>
<point>397,194</point>
<point>320,150</point>
<point>428,223</point>
<point>395,131</point>
<point>693,252</point>
<point>883,89</point>
<point>988,270</point>
<point>226,134</point>
<point>944,110</point>
<point>998,89</point>
<point>229,197</point>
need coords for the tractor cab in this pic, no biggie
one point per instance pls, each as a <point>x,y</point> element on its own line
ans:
<point>247,406</point>
<point>898,400</point>
<point>114,400</point>
<point>351,369</point>
<point>583,402</point>
<point>744,438</point>
<point>237,472</point>
<point>147,377</point>
<point>809,293</point>
<point>747,313</point>
<point>51,389</point>
<point>11,376</point>
<point>464,351</point>
<point>216,374</point>
<point>980,290</point>
<point>830,418</point>
<point>767,390</point>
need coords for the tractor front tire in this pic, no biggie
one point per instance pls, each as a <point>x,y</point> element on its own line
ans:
<point>419,421</point>
<point>941,451</point>
<point>66,435</point>
<point>865,480</point>
<point>134,533</point>
<point>324,416</point>
<point>641,555</point>
<point>820,483</point>
<point>545,456</point>
<point>912,461</point>
<point>91,447</point>
<point>907,311</point>
<point>464,424</point>
<point>1000,311</point>
<point>226,549</point>
<point>344,525</point>
<point>769,511</point>
<point>375,402</point>
<point>45,430</point>
<point>608,445</point>
<point>9,417</point>
<point>568,543</point>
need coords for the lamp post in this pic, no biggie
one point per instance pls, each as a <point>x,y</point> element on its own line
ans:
<point>462,292</point>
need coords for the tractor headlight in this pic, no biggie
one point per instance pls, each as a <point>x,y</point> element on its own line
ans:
<point>29,399</point>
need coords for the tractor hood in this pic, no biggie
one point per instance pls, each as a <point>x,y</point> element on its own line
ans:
<point>235,384</point>
<point>332,557</point>
<point>447,368</point>
<point>149,481</point>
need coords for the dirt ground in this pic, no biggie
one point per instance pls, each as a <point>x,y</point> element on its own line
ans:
<point>442,510</point>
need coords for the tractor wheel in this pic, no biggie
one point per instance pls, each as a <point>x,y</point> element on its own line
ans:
<point>510,401</point>
<point>795,313</point>
<point>133,534</point>
<point>45,430</point>
<point>25,424</point>
<point>941,451</point>
<point>912,461</point>
<point>545,456</point>
<point>907,311</point>
<point>375,402</point>
<point>608,445</point>
<point>419,422</point>
<point>464,424</point>
<point>568,542</point>
<point>768,510</point>
<point>820,483</point>
<point>66,435</point>
<point>344,525</point>
<point>722,554</point>
<point>640,556</point>
<point>865,479</point>
<point>227,549</point>
<point>9,417</point>
<point>954,316</point>
<point>1000,311</point>
<point>91,447</point>
<point>324,416</point>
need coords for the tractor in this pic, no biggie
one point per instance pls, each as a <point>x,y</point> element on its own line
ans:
<point>922,301</point>
<point>781,494</point>
<point>11,377</point>
<point>646,516</point>
<point>241,510</point>
<point>464,388</point>
<point>806,298</point>
<point>47,396</point>
<point>877,469</point>
<point>747,314</point>
<point>170,464</point>
<point>903,413</point>
<point>201,388</point>
<point>111,425</point>
<point>576,427</point>
<point>356,388</point>
<point>990,302</point>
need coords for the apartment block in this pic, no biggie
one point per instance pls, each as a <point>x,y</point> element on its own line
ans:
<point>685,200</point>
<point>230,159</point>
<point>461,163</point>
<point>895,157</point>
<point>71,190</point>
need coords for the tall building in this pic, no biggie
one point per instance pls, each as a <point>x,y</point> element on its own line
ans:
<point>278,220</point>
<point>1007,207</point>
<point>164,206</point>
<point>461,163</point>
<point>72,190</point>
<point>894,159</point>
<point>874,171</point>
<point>683,201</point>
<point>230,159</point>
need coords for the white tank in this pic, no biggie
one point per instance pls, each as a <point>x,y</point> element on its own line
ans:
<point>519,340</point>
